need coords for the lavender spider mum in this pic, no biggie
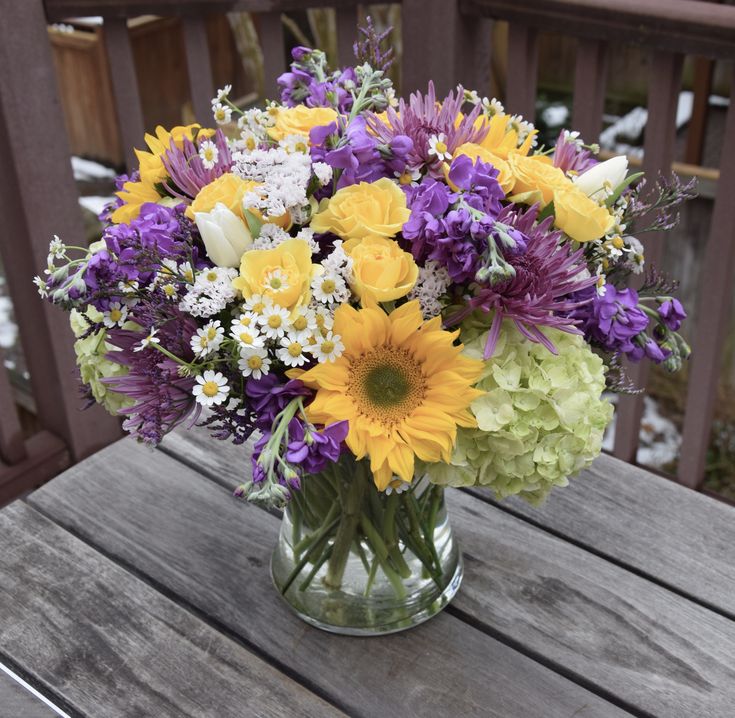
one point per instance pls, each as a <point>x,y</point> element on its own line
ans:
<point>186,168</point>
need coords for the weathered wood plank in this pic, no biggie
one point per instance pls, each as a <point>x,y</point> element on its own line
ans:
<point>19,702</point>
<point>172,524</point>
<point>628,637</point>
<point>676,536</point>
<point>111,645</point>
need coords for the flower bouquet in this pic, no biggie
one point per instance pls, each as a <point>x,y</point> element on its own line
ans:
<point>383,298</point>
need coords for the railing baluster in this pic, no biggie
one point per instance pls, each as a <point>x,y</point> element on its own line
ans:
<point>590,83</point>
<point>199,66</point>
<point>346,33</point>
<point>271,41</point>
<point>12,447</point>
<point>664,85</point>
<point>124,87</point>
<point>520,90</point>
<point>713,314</point>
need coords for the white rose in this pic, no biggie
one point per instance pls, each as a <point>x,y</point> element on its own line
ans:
<point>225,235</point>
<point>611,172</point>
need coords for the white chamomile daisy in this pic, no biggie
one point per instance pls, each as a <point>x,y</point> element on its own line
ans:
<point>292,352</point>
<point>222,94</point>
<point>222,114</point>
<point>303,324</point>
<point>328,287</point>
<point>249,140</point>
<point>275,281</point>
<point>148,341</point>
<point>324,320</point>
<point>295,143</point>
<point>246,332</point>
<point>492,107</point>
<point>208,277</point>
<point>211,388</point>
<point>438,147</point>
<point>327,348</point>
<point>274,321</point>
<point>116,315</point>
<point>207,339</point>
<point>209,154</point>
<point>170,291</point>
<point>408,177</point>
<point>186,272</point>
<point>257,303</point>
<point>254,362</point>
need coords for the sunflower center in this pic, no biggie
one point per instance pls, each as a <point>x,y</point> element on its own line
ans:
<point>386,384</point>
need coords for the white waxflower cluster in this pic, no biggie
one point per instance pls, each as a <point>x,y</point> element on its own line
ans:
<point>271,235</point>
<point>283,179</point>
<point>433,281</point>
<point>211,292</point>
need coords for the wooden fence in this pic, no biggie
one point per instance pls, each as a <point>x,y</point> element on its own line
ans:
<point>447,40</point>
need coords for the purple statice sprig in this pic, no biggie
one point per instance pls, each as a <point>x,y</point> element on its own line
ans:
<point>661,205</point>
<point>368,48</point>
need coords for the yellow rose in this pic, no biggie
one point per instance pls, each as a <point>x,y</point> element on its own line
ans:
<point>474,152</point>
<point>380,268</point>
<point>228,189</point>
<point>284,273</point>
<point>299,120</point>
<point>579,216</point>
<point>536,179</point>
<point>365,209</point>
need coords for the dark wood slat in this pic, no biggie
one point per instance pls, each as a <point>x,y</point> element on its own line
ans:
<point>270,30</point>
<point>702,83</point>
<point>12,447</point>
<point>715,283</point>
<point>124,88</point>
<point>684,26</point>
<point>185,532</point>
<point>346,34</point>
<point>678,537</point>
<point>110,645</point>
<point>199,67</point>
<point>590,82</point>
<point>520,90</point>
<point>19,702</point>
<point>38,198</point>
<point>664,85</point>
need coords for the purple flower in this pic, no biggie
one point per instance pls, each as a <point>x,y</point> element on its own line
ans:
<point>269,395</point>
<point>570,155</point>
<point>186,168</point>
<point>479,181</point>
<point>672,313</point>
<point>312,450</point>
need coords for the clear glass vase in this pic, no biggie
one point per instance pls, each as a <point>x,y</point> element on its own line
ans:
<point>353,560</point>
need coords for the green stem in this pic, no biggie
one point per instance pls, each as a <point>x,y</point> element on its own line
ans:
<point>317,565</point>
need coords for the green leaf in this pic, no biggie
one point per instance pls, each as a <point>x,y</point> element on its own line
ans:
<point>613,198</point>
<point>254,223</point>
<point>548,211</point>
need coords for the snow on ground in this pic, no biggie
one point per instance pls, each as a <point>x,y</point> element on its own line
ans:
<point>88,171</point>
<point>95,204</point>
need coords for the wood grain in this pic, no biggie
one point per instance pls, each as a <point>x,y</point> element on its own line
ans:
<point>147,510</point>
<point>18,702</point>
<point>110,645</point>
<point>678,537</point>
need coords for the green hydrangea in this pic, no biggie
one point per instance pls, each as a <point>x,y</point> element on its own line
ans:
<point>541,420</point>
<point>92,362</point>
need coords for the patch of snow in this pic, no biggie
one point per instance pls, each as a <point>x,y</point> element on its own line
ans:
<point>8,328</point>
<point>625,129</point>
<point>555,115</point>
<point>87,170</point>
<point>95,204</point>
<point>684,108</point>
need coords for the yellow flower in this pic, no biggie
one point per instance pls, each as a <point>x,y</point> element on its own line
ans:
<point>134,195</point>
<point>228,189</point>
<point>401,383</point>
<point>299,120</point>
<point>502,139</point>
<point>288,264</point>
<point>580,217</point>
<point>151,163</point>
<point>381,270</point>
<point>474,152</point>
<point>536,179</point>
<point>363,210</point>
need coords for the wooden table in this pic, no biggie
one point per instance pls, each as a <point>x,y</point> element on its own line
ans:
<point>134,585</point>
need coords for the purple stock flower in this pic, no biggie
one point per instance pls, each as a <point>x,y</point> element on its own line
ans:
<point>269,395</point>
<point>313,450</point>
<point>672,314</point>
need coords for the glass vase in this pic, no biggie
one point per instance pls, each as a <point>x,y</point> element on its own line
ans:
<point>354,560</point>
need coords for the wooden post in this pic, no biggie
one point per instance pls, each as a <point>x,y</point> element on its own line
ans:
<point>199,65</point>
<point>590,82</point>
<point>38,198</point>
<point>271,41</point>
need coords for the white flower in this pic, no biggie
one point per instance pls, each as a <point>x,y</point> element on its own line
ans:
<point>222,114</point>
<point>408,177</point>
<point>433,281</point>
<point>221,95</point>
<point>56,248</point>
<point>600,180</point>
<point>403,486</point>
<point>292,351</point>
<point>472,97</point>
<point>249,141</point>
<point>42,287</point>
<point>116,315</point>
<point>323,172</point>
<point>438,147</point>
<point>307,234</point>
<point>329,287</point>
<point>246,332</point>
<point>209,154</point>
<point>274,321</point>
<point>271,235</point>
<point>211,388</point>
<point>303,324</point>
<point>327,348</point>
<point>254,362</point>
<point>324,319</point>
<point>257,303</point>
<point>492,107</point>
<point>295,143</point>
<point>207,339</point>
<point>225,236</point>
<point>148,341</point>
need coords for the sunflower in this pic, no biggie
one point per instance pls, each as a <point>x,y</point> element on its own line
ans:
<point>401,383</point>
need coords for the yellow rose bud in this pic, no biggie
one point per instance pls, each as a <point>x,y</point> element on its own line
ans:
<point>283,274</point>
<point>380,268</point>
<point>505,176</point>
<point>363,210</point>
<point>536,179</point>
<point>300,120</point>
<point>579,216</point>
<point>228,189</point>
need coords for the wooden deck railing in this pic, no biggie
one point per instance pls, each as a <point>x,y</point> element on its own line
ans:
<point>447,40</point>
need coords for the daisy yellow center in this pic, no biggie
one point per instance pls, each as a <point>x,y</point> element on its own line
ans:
<point>203,342</point>
<point>300,147</point>
<point>274,321</point>
<point>211,334</point>
<point>618,242</point>
<point>405,178</point>
<point>327,347</point>
<point>209,154</point>
<point>295,349</point>
<point>255,362</point>
<point>258,307</point>
<point>320,320</point>
<point>115,315</point>
<point>169,290</point>
<point>211,276</point>
<point>300,323</point>
<point>441,147</point>
<point>219,114</point>
<point>245,321</point>
<point>189,275</point>
<point>250,143</point>
<point>386,384</point>
<point>210,388</point>
<point>246,337</point>
<point>328,286</point>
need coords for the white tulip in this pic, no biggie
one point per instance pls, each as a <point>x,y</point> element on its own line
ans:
<point>225,235</point>
<point>605,174</point>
